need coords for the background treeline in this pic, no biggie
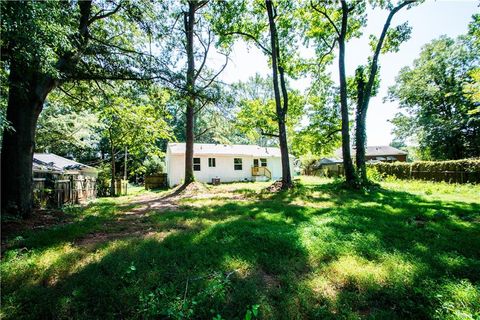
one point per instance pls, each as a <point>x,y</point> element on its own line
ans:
<point>98,80</point>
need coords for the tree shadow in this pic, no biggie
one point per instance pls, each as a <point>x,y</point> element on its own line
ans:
<point>228,267</point>
<point>380,254</point>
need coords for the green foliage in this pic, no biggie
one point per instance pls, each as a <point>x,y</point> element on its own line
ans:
<point>255,97</point>
<point>65,130</point>
<point>462,171</point>
<point>437,95</point>
<point>153,165</point>
<point>458,300</point>
<point>373,174</point>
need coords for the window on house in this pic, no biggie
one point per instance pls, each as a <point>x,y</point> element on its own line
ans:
<point>196,164</point>
<point>263,162</point>
<point>237,163</point>
<point>211,162</point>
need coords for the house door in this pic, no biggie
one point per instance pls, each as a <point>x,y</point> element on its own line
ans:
<point>255,162</point>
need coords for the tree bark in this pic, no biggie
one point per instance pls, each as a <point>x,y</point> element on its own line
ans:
<point>360,136</point>
<point>112,165</point>
<point>350,176</point>
<point>27,93</point>
<point>280,110</point>
<point>189,21</point>
<point>364,93</point>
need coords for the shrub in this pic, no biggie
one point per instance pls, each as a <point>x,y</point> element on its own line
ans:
<point>374,175</point>
<point>458,171</point>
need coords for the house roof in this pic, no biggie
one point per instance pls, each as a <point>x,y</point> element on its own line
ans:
<point>373,151</point>
<point>330,160</point>
<point>52,162</point>
<point>225,149</point>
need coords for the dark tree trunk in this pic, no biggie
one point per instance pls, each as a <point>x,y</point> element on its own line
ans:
<point>27,93</point>
<point>189,21</point>
<point>347,158</point>
<point>360,127</point>
<point>112,165</point>
<point>280,110</point>
<point>360,143</point>
<point>364,92</point>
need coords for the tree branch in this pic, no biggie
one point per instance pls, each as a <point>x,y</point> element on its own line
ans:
<point>99,16</point>
<point>373,69</point>
<point>323,13</point>
<point>268,134</point>
<point>247,35</point>
<point>206,48</point>
<point>216,75</point>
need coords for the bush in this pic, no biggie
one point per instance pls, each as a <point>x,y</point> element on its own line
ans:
<point>104,180</point>
<point>374,175</point>
<point>153,165</point>
<point>459,171</point>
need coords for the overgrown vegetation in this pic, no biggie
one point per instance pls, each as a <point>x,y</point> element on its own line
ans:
<point>407,250</point>
<point>460,171</point>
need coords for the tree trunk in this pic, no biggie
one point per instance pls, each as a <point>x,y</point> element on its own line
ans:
<point>125,165</point>
<point>281,111</point>
<point>112,164</point>
<point>360,128</point>
<point>364,92</point>
<point>347,158</point>
<point>360,143</point>
<point>26,96</point>
<point>189,21</point>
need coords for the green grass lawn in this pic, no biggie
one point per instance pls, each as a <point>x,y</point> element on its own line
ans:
<point>407,250</point>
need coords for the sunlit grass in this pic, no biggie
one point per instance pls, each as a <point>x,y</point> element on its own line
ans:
<point>408,250</point>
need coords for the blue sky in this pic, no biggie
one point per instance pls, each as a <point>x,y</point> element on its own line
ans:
<point>428,20</point>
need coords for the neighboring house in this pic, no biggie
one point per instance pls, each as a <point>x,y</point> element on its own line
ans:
<point>71,181</point>
<point>379,154</point>
<point>225,162</point>
<point>329,167</point>
<point>51,163</point>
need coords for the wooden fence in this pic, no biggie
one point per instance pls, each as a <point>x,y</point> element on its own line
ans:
<point>408,171</point>
<point>121,187</point>
<point>66,191</point>
<point>438,176</point>
<point>156,181</point>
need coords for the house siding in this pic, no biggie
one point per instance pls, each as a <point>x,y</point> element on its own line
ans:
<point>224,168</point>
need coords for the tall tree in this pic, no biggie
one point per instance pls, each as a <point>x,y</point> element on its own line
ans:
<point>133,120</point>
<point>45,44</point>
<point>269,25</point>
<point>346,21</point>
<point>192,45</point>
<point>366,79</point>
<point>438,112</point>
<point>332,25</point>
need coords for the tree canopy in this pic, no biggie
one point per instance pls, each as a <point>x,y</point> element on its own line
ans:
<point>438,98</point>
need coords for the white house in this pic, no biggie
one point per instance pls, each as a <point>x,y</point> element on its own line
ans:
<point>225,162</point>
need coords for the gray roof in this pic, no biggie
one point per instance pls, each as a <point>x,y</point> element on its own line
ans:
<point>52,162</point>
<point>373,151</point>
<point>330,160</point>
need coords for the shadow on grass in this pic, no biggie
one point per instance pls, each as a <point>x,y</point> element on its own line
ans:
<point>224,258</point>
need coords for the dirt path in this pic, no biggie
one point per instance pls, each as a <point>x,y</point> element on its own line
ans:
<point>133,222</point>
